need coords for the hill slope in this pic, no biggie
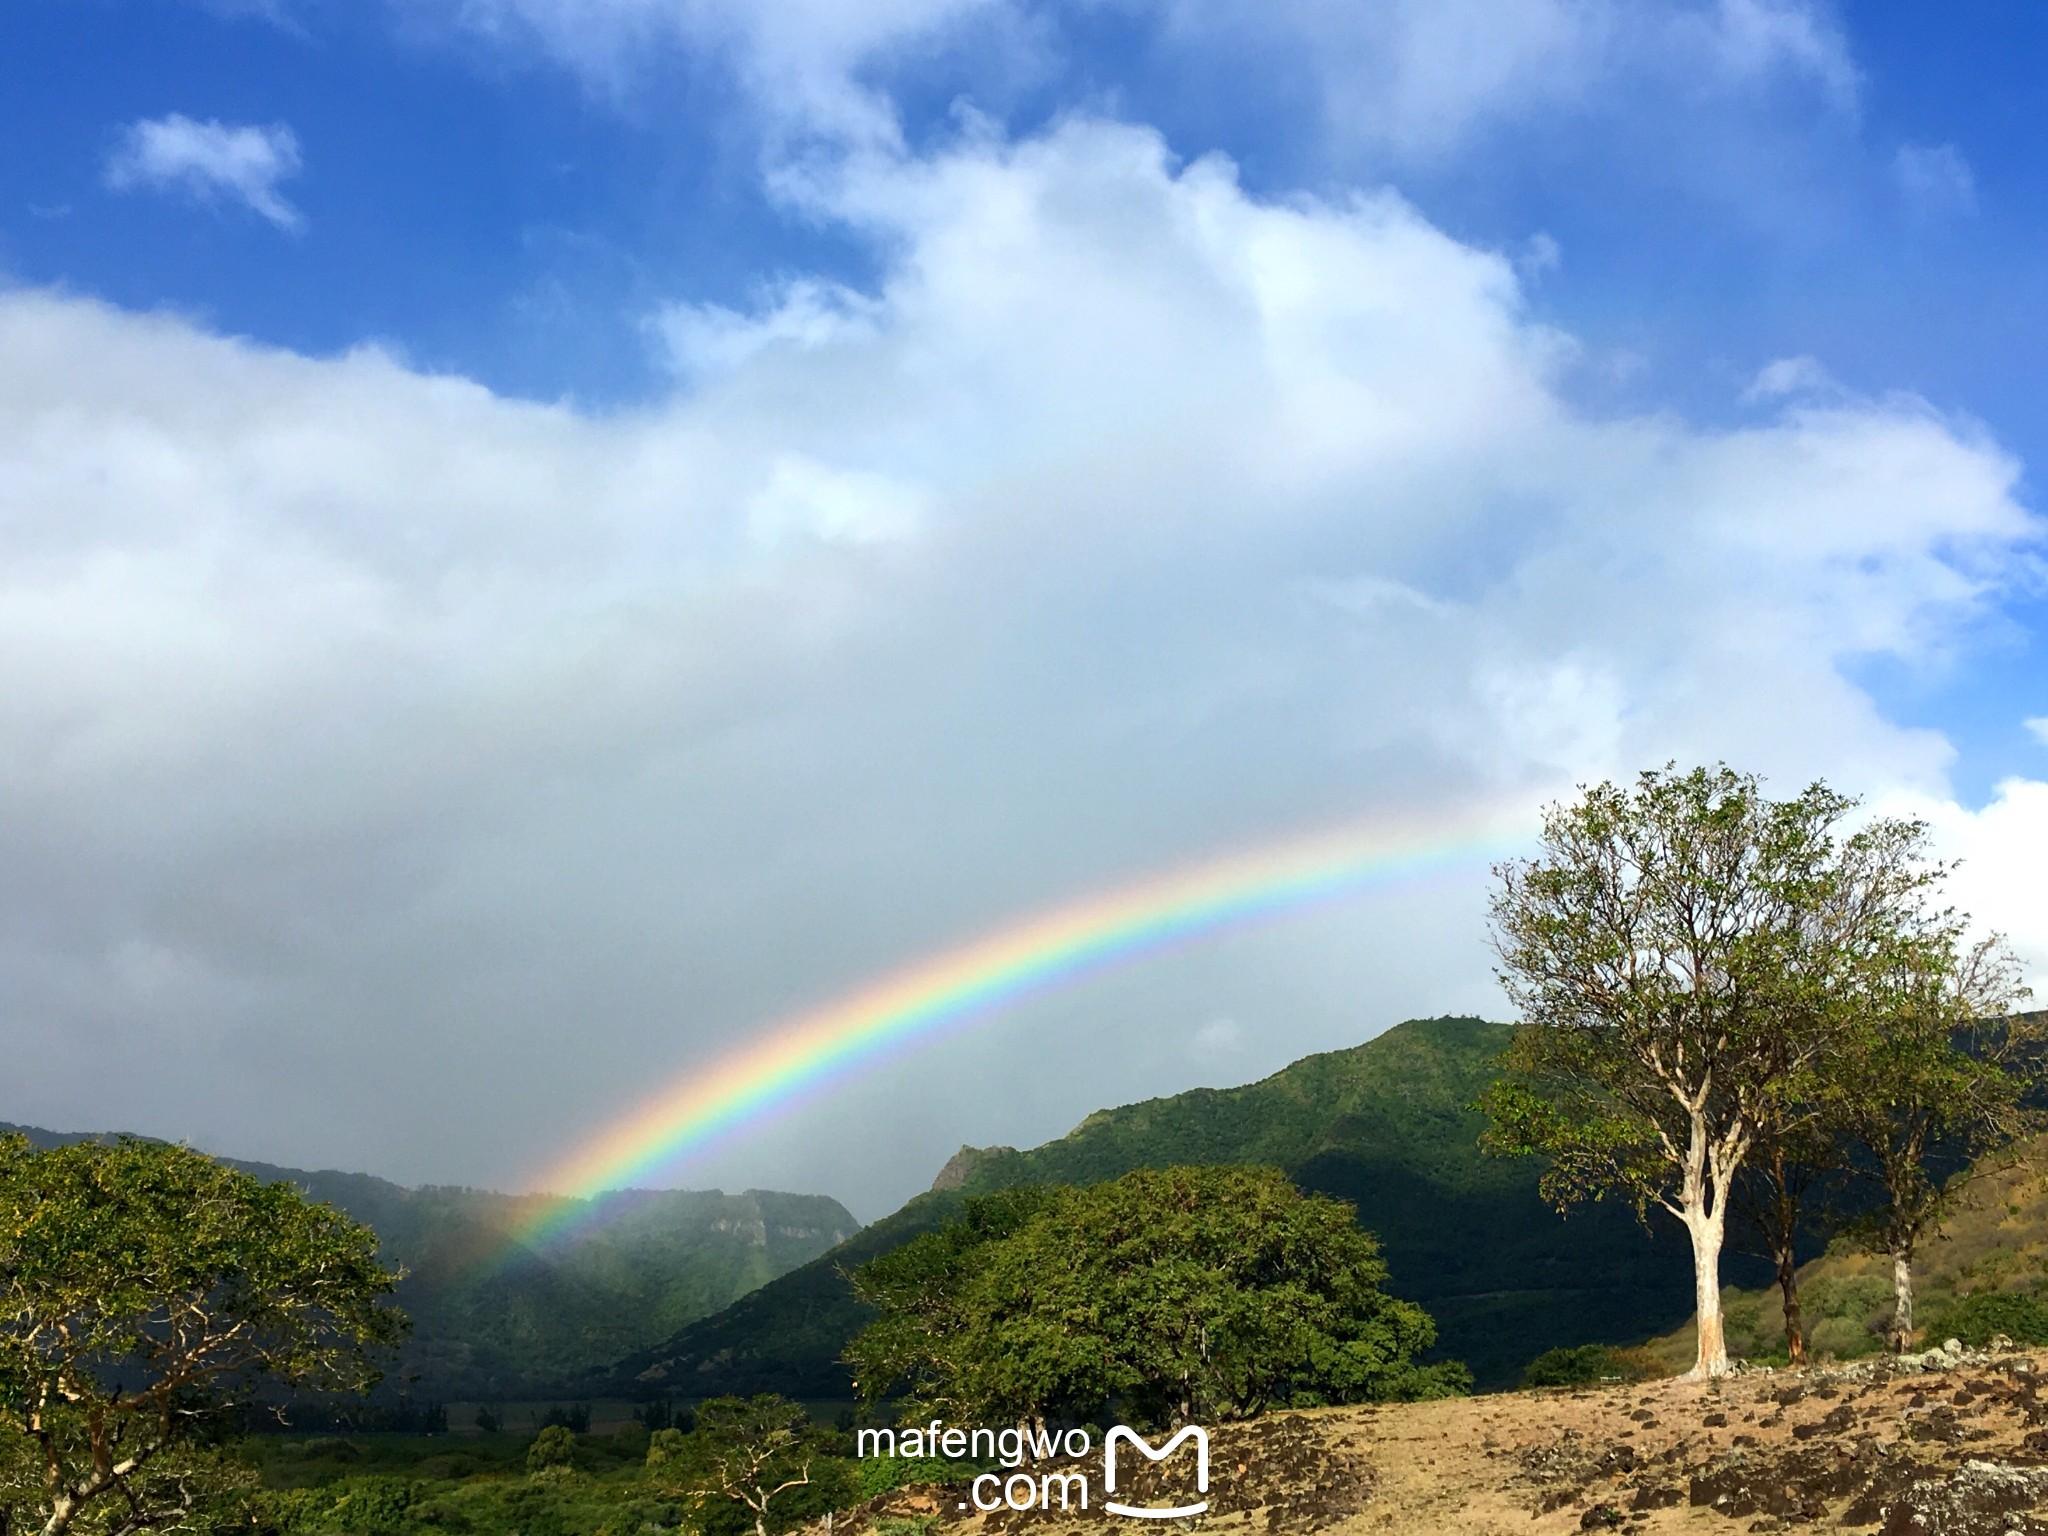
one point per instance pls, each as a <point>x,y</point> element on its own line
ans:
<point>1386,1125</point>
<point>495,1318</point>
<point>1995,1240</point>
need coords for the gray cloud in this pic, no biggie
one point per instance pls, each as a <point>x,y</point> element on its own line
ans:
<point>403,777</point>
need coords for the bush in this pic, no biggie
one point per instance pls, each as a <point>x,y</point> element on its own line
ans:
<point>1173,1293</point>
<point>553,1449</point>
<point>884,1474</point>
<point>1585,1365</point>
<point>1976,1318</point>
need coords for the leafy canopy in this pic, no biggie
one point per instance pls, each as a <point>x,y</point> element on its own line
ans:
<point>1937,1076</point>
<point>754,1457</point>
<point>1168,1294</point>
<point>1684,952</point>
<point>143,1289</point>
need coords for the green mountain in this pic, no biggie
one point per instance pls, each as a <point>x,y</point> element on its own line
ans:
<point>498,1318</point>
<point>1387,1125</point>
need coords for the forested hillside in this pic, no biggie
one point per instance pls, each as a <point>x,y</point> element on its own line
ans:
<point>1387,1125</point>
<point>497,1318</point>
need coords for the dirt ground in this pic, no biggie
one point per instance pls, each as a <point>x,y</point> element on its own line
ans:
<point>1957,1448</point>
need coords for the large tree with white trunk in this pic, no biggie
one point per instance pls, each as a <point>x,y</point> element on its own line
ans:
<point>1684,952</point>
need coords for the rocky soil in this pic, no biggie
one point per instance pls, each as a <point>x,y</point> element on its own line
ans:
<point>1945,1444</point>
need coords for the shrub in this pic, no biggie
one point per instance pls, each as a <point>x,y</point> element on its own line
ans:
<point>1584,1365</point>
<point>1976,1318</point>
<point>553,1450</point>
<point>1845,1338</point>
<point>883,1474</point>
<point>1865,1298</point>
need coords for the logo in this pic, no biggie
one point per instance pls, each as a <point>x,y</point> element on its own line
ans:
<point>1013,1447</point>
<point>1193,1432</point>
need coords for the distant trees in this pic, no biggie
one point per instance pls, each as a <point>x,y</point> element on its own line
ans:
<point>145,1289</point>
<point>1172,1294</point>
<point>1721,992</point>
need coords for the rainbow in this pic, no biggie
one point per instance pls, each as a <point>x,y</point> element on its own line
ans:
<point>809,1052</point>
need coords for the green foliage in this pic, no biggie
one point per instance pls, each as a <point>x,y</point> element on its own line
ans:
<point>920,1293</point>
<point>1585,1365</point>
<point>144,1289</point>
<point>1974,1319</point>
<point>619,1505</point>
<point>880,1474</point>
<point>553,1450</point>
<point>750,1462</point>
<point>1173,1294</point>
<point>1682,951</point>
<point>665,1450</point>
<point>1857,1297</point>
<point>1938,1070</point>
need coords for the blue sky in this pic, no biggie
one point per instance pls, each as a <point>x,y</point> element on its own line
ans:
<point>698,502</point>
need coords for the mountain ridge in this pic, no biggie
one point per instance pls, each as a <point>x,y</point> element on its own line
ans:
<point>1388,1126</point>
<point>496,1317</point>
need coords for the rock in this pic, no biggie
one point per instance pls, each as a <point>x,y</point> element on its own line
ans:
<point>1618,1460</point>
<point>1982,1498</point>
<point>1744,1487</point>
<point>1839,1422</point>
<point>1889,1482</point>
<point>1658,1496</point>
<point>1940,1425</point>
<point>1602,1517</point>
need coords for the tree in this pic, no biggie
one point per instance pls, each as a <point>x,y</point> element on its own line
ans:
<point>1683,953</point>
<point>1170,1294</point>
<point>919,1291</point>
<point>144,1290</point>
<point>1795,1153</point>
<point>1935,1075</point>
<point>553,1451</point>
<point>745,1451</point>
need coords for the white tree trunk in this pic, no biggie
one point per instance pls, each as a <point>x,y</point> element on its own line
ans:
<point>1706,1232</point>
<point>1705,1224</point>
<point>1902,1293</point>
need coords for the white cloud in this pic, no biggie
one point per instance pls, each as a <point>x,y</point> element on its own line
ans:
<point>1935,180</point>
<point>1791,376</point>
<point>374,749</point>
<point>1409,78</point>
<point>1416,77</point>
<point>209,161</point>
<point>1999,850</point>
<point>801,60</point>
<point>703,341</point>
<point>2040,728</point>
